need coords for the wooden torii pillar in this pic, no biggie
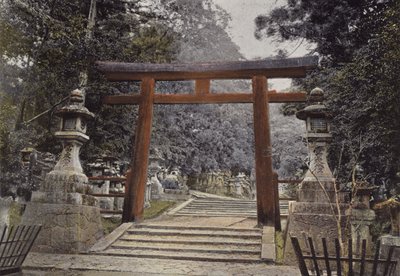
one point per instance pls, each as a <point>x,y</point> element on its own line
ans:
<point>202,73</point>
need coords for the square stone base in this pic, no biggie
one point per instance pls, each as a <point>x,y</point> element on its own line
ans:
<point>66,228</point>
<point>311,219</point>
<point>386,242</point>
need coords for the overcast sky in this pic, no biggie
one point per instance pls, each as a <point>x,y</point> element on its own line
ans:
<point>242,27</point>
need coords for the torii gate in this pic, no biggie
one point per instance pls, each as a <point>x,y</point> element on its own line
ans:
<point>202,73</point>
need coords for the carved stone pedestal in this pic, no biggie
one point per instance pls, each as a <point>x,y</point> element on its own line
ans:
<point>386,242</point>
<point>67,228</point>
<point>315,220</point>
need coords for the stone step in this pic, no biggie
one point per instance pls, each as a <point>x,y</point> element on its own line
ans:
<point>210,248</point>
<point>193,239</point>
<point>215,215</point>
<point>206,228</point>
<point>227,208</point>
<point>218,205</point>
<point>209,257</point>
<point>283,214</point>
<point>193,233</point>
<point>195,210</point>
<point>228,212</point>
<point>225,200</point>
<point>223,211</point>
<point>222,208</point>
<point>231,203</point>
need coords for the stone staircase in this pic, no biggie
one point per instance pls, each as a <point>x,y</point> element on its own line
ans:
<point>201,229</point>
<point>196,243</point>
<point>223,208</point>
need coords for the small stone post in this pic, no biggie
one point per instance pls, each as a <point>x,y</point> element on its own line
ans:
<point>393,239</point>
<point>5,204</point>
<point>70,218</point>
<point>361,217</point>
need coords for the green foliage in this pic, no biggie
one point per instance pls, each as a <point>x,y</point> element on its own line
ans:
<point>49,48</point>
<point>8,112</point>
<point>205,138</point>
<point>110,224</point>
<point>366,100</point>
<point>15,213</point>
<point>279,247</point>
<point>151,45</point>
<point>156,208</point>
<point>357,41</point>
<point>338,28</point>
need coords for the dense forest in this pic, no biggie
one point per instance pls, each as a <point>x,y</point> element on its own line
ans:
<point>48,48</point>
<point>357,42</point>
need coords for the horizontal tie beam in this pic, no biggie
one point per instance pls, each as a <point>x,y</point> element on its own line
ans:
<point>225,98</point>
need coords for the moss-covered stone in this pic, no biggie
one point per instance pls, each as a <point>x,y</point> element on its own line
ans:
<point>280,245</point>
<point>15,213</point>
<point>110,223</point>
<point>157,208</point>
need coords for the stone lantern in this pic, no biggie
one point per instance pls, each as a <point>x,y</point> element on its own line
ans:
<point>72,135</point>
<point>109,161</point>
<point>318,138</point>
<point>97,169</point>
<point>315,213</point>
<point>26,155</point>
<point>70,217</point>
<point>154,190</point>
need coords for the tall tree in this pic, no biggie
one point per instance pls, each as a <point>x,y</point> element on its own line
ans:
<point>337,28</point>
<point>357,40</point>
<point>50,44</point>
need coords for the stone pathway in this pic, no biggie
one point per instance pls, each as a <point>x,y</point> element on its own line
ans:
<point>219,243</point>
<point>51,264</point>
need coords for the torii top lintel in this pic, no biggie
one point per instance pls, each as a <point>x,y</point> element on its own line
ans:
<point>271,68</point>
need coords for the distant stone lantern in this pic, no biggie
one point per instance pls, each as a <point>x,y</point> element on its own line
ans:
<point>318,137</point>
<point>98,168</point>
<point>155,189</point>
<point>26,154</point>
<point>109,162</point>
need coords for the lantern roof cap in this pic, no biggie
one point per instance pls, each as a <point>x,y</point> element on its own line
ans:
<point>27,150</point>
<point>317,92</point>
<point>317,109</point>
<point>75,107</point>
<point>109,157</point>
<point>314,111</point>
